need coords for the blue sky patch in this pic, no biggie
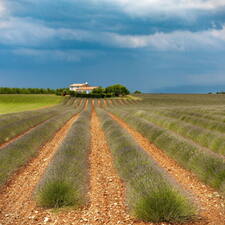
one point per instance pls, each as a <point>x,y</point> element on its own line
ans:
<point>149,45</point>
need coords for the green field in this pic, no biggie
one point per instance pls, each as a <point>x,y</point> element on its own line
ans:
<point>18,103</point>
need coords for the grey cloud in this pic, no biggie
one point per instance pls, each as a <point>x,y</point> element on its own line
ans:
<point>27,33</point>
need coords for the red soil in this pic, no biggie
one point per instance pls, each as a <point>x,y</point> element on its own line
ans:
<point>16,203</point>
<point>211,204</point>
<point>3,145</point>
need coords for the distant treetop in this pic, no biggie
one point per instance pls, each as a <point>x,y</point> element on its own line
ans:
<point>137,92</point>
<point>7,90</point>
<point>117,90</point>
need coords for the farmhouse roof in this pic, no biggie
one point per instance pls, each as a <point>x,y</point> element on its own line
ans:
<point>86,88</point>
<point>78,85</point>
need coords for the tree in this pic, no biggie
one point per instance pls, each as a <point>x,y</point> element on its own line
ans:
<point>98,90</point>
<point>117,90</point>
<point>137,92</point>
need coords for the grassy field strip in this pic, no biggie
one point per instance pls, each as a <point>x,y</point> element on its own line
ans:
<point>14,117</point>
<point>10,103</point>
<point>19,152</point>
<point>210,203</point>
<point>212,141</point>
<point>11,130</point>
<point>65,180</point>
<point>20,135</point>
<point>152,196</point>
<point>15,130</point>
<point>207,167</point>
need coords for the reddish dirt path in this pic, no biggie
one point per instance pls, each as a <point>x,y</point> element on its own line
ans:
<point>3,145</point>
<point>211,203</point>
<point>106,189</point>
<point>86,104</point>
<point>16,203</point>
<point>99,103</point>
<point>106,194</point>
<point>105,102</point>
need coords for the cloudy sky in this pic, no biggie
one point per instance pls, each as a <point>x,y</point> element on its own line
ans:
<point>149,45</point>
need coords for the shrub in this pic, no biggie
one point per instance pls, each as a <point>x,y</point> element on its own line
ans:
<point>204,137</point>
<point>207,166</point>
<point>57,193</point>
<point>19,152</point>
<point>152,196</point>
<point>6,90</point>
<point>117,90</point>
<point>14,128</point>
<point>65,181</point>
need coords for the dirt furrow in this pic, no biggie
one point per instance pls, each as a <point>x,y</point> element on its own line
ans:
<point>98,103</point>
<point>106,193</point>
<point>106,189</point>
<point>105,103</point>
<point>211,203</point>
<point>16,203</point>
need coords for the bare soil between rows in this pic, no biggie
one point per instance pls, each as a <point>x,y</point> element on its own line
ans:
<point>211,204</point>
<point>106,194</point>
<point>17,205</point>
<point>107,203</point>
<point>3,145</point>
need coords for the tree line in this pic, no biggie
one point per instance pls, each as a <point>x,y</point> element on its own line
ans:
<point>7,90</point>
<point>100,92</point>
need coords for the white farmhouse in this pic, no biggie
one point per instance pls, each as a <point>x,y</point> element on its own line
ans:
<point>82,88</point>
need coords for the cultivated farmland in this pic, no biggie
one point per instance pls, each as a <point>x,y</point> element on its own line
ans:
<point>18,103</point>
<point>148,159</point>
